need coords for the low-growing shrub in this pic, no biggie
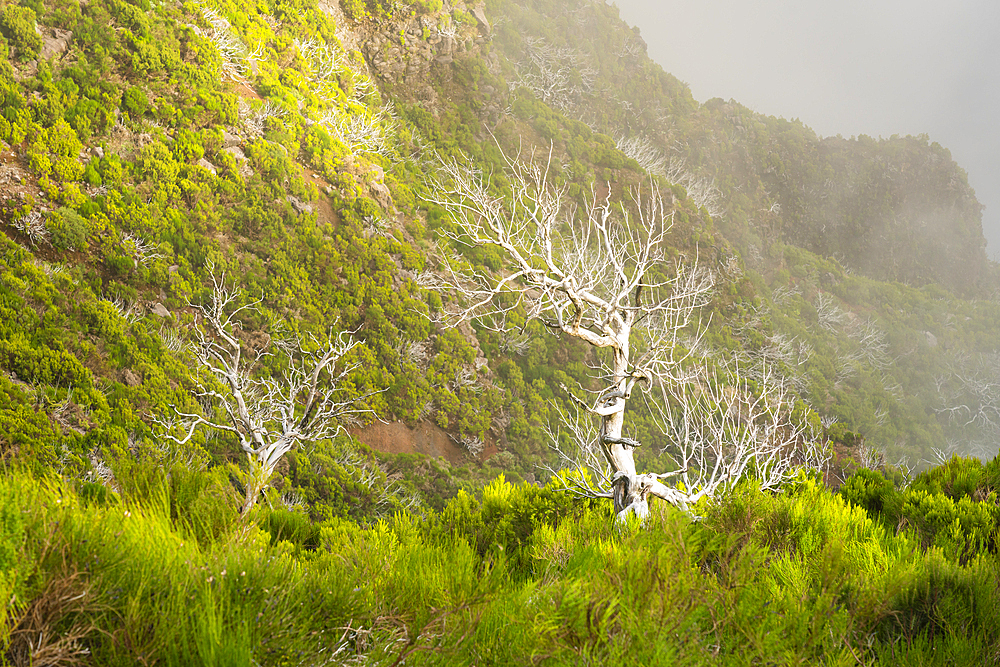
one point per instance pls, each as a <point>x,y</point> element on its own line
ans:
<point>68,228</point>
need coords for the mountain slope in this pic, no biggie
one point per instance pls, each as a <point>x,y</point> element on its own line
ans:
<point>291,147</point>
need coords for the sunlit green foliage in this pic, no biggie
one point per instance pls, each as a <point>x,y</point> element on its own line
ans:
<point>800,577</point>
<point>17,23</point>
<point>167,142</point>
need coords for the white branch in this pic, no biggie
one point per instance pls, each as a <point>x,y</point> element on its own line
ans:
<point>269,415</point>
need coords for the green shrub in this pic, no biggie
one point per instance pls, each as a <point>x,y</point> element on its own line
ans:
<point>354,9</point>
<point>69,229</point>
<point>428,6</point>
<point>290,526</point>
<point>957,478</point>
<point>463,17</point>
<point>18,25</point>
<point>871,490</point>
<point>39,363</point>
<point>187,146</point>
<point>134,102</point>
<point>962,528</point>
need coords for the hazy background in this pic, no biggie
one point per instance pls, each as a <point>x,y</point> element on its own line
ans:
<point>850,67</point>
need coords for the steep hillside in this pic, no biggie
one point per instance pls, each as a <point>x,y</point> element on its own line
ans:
<point>896,209</point>
<point>293,149</point>
<point>233,237</point>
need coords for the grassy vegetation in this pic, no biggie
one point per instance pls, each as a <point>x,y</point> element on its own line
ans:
<point>521,574</point>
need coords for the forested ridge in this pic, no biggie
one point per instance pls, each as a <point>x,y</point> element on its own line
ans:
<point>236,245</point>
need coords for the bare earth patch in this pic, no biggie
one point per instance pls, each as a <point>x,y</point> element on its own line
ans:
<point>426,438</point>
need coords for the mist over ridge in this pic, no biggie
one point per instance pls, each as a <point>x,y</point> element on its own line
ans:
<point>853,68</point>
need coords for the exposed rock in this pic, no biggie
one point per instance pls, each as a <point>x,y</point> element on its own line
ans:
<point>26,71</point>
<point>479,13</point>
<point>230,140</point>
<point>381,193</point>
<point>932,340</point>
<point>398,438</point>
<point>236,152</point>
<point>205,164</point>
<point>55,42</point>
<point>131,379</point>
<point>160,310</point>
<point>300,206</point>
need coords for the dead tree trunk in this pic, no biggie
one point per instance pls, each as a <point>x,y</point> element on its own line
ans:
<point>594,275</point>
<point>268,415</point>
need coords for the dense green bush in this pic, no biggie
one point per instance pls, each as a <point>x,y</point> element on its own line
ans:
<point>355,9</point>
<point>134,102</point>
<point>871,490</point>
<point>428,6</point>
<point>17,23</point>
<point>69,229</point>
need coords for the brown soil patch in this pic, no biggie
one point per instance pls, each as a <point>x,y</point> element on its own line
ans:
<point>398,438</point>
<point>16,179</point>
<point>426,438</point>
<point>244,90</point>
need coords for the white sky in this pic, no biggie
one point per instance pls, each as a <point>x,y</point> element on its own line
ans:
<point>849,67</point>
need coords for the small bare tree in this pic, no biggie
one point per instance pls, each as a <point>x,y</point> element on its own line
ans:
<point>969,396</point>
<point>268,415</point>
<point>643,151</point>
<point>599,275</point>
<point>558,76</point>
<point>702,190</point>
<point>723,424</point>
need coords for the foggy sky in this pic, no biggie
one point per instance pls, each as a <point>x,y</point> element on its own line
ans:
<point>849,67</point>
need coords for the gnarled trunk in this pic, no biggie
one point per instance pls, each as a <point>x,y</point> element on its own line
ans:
<point>628,492</point>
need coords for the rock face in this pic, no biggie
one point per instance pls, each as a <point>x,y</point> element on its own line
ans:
<point>55,43</point>
<point>131,379</point>
<point>300,206</point>
<point>236,152</point>
<point>205,164</point>
<point>479,13</point>
<point>230,141</point>
<point>427,41</point>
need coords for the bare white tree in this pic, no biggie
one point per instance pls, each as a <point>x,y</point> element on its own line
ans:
<point>253,120</point>
<point>33,226</point>
<point>599,275</point>
<point>643,151</point>
<point>129,310</point>
<point>720,427</point>
<point>830,316</point>
<point>630,47</point>
<point>969,396</point>
<point>237,60</point>
<point>702,190</point>
<point>143,252</point>
<point>268,415</point>
<point>366,131</point>
<point>559,76</point>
